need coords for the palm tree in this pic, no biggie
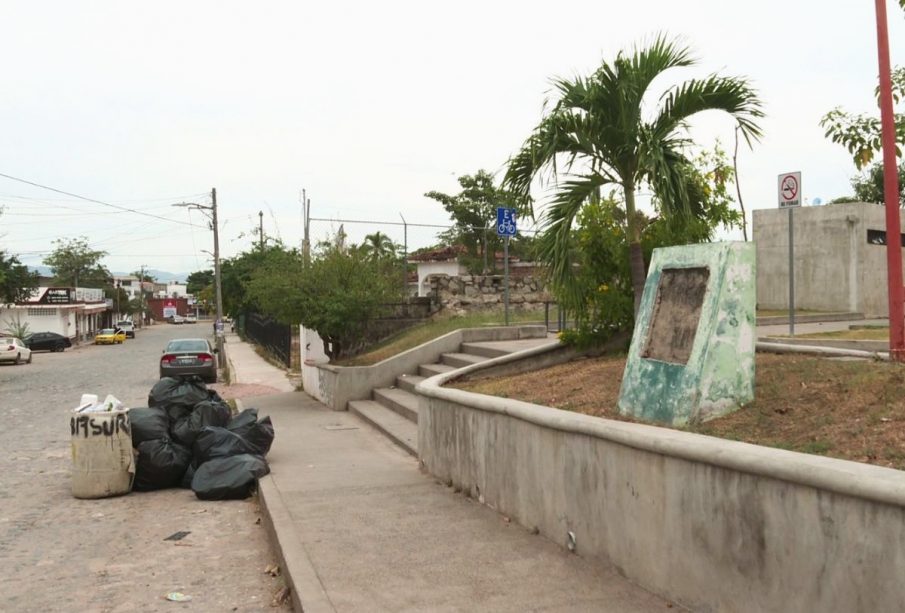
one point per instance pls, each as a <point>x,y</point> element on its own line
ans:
<point>378,246</point>
<point>600,124</point>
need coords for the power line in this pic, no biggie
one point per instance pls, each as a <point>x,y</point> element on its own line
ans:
<point>411,225</point>
<point>115,206</point>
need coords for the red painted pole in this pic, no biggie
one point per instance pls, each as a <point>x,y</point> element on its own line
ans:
<point>891,195</point>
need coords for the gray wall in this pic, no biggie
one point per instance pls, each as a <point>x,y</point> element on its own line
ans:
<point>835,267</point>
<point>714,525</point>
<point>337,385</point>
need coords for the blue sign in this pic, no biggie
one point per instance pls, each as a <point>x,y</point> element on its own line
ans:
<point>505,222</point>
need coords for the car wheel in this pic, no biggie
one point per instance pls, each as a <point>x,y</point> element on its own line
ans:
<point>29,359</point>
<point>18,358</point>
<point>60,347</point>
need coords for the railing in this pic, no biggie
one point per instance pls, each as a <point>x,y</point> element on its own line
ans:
<point>274,336</point>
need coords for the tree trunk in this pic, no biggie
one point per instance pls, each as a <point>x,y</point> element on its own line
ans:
<point>636,262</point>
<point>636,255</point>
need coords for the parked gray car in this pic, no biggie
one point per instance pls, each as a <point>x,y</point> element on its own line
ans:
<point>189,356</point>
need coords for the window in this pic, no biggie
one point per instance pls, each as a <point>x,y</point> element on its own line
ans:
<point>42,312</point>
<point>878,237</point>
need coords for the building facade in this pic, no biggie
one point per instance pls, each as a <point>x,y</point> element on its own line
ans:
<point>839,258</point>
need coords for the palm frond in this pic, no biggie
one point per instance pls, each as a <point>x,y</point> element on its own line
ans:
<point>554,244</point>
<point>561,133</point>
<point>729,94</point>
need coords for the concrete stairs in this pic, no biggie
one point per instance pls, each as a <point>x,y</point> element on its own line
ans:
<point>394,410</point>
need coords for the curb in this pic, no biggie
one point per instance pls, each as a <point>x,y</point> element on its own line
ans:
<point>305,587</point>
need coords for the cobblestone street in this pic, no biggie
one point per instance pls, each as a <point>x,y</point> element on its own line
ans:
<point>58,553</point>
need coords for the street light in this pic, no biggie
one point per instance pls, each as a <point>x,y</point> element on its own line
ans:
<point>204,208</point>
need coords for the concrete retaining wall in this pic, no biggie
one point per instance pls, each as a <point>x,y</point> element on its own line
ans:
<point>335,386</point>
<point>714,525</point>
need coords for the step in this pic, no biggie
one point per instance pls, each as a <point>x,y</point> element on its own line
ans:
<point>461,359</point>
<point>408,382</point>
<point>429,370</point>
<point>403,402</point>
<point>484,349</point>
<point>399,429</point>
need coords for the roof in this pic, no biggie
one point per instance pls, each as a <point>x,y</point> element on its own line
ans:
<point>444,254</point>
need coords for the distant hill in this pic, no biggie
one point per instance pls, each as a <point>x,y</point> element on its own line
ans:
<point>161,275</point>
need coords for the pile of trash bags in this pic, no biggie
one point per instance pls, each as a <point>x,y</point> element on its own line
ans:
<point>187,437</point>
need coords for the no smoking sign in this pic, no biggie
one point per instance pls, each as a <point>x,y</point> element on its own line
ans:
<point>789,189</point>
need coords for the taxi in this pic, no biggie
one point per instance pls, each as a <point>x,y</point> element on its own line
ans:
<point>109,336</point>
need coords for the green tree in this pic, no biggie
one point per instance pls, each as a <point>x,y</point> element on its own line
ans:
<point>76,264</point>
<point>16,282</point>
<point>868,186</point>
<point>335,295</point>
<point>860,133</point>
<point>473,211</point>
<point>601,134</point>
<point>600,295</point>
<point>199,280</point>
<point>237,273</point>
<point>378,246</point>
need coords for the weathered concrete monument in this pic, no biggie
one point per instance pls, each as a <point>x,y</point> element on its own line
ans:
<point>692,352</point>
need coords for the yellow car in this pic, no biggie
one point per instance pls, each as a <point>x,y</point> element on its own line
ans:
<point>109,336</point>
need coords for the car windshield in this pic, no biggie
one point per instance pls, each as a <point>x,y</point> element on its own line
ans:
<point>107,331</point>
<point>124,323</point>
<point>187,345</point>
<point>6,341</point>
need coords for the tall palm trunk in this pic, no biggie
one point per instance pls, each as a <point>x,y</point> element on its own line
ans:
<point>635,254</point>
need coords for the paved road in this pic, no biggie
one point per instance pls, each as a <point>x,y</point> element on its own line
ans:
<point>58,553</point>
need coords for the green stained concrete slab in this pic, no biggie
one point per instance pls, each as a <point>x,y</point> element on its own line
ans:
<point>718,376</point>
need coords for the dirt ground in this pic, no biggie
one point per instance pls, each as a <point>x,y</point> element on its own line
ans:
<point>847,409</point>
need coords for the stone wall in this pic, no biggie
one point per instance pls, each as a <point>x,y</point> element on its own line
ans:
<point>473,292</point>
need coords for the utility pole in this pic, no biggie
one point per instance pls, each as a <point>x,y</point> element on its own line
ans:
<point>405,258</point>
<point>215,227</point>
<point>261,230</point>
<point>217,282</point>
<point>890,193</point>
<point>141,295</point>
<point>306,224</point>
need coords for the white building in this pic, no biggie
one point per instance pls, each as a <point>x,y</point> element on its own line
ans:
<point>439,262</point>
<point>76,313</point>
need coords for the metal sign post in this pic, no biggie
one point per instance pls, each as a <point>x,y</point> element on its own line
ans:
<point>790,198</point>
<point>505,227</point>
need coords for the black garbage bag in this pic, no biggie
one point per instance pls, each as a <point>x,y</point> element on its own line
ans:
<point>161,464</point>
<point>257,432</point>
<point>243,422</point>
<point>206,413</point>
<point>229,478</point>
<point>148,424</point>
<point>183,391</point>
<point>186,482</point>
<point>213,442</point>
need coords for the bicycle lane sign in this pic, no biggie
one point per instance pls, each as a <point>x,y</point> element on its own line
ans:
<point>505,222</point>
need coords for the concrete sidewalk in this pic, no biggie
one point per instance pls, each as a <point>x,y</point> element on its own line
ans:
<point>248,368</point>
<point>359,527</point>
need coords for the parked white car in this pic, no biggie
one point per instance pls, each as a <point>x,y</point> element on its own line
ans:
<point>14,350</point>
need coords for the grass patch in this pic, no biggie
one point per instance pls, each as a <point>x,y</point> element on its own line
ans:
<point>440,325</point>
<point>853,410</point>
<point>785,312</point>
<point>857,334</point>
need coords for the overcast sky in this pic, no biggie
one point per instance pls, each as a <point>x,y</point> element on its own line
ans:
<point>366,105</point>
